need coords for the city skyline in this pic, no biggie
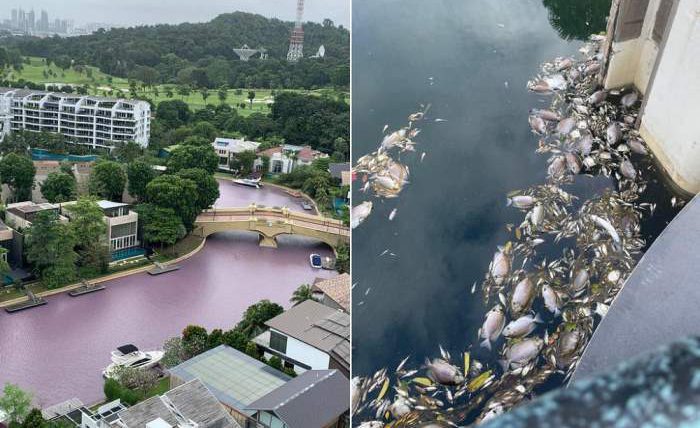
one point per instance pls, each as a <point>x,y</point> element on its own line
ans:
<point>151,12</point>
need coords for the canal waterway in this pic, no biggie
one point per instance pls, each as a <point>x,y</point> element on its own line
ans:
<point>471,60</point>
<point>59,350</point>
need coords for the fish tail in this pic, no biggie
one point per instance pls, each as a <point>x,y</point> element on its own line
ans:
<point>509,202</point>
<point>486,344</point>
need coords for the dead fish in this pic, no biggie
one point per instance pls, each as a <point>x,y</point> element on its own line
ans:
<point>592,69</point>
<point>546,114</point>
<point>443,372</point>
<point>613,133</point>
<point>400,407</point>
<point>589,162</point>
<point>629,99</point>
<point>627,169</point>
<point>371,424</point>
<point>585,144</point>
<point>522,326</point>
<point>573,163</point>
<point>538,125</point>
<point>552,301</point>
<point>500,267</point>
<point>608,227</point>
<point>492,327</point>
<point>422,156</point>
<point>522,296</point>
<point>567,345</point>
<point>564,64</point>
<point>521,353</point>
<point>565,126</point>
<point>637,146</point>
<point>580,282</point>
<point>557,167</point>
<point>360,213</point>
<point>392,214</point>
<point>597,97</point>
<point>537,215</point>
<point>539,87</point>
<point>521,201</point>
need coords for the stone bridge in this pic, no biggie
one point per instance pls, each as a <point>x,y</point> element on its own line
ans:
<point>270,223</point>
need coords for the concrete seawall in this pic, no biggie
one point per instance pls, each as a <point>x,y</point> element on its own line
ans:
<point>659,302</point>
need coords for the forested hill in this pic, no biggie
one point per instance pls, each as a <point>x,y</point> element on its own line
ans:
<point>200,54</point>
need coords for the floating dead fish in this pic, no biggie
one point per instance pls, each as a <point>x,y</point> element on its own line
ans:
<point>538,125</point>
<point>597,97</point>
<point>637,146</point>
<point>492,327</point>
<point>392,214</point>
<point>629,100</point>
<point>522,326</point>
<point>522,297</point>
<point>443,372</point>
<point>627,169</point>
<point>573,163</point>
<point>565,126</point>
<point>521,201</point>
<point>521,353</point>
<point>359,213</point>
<point>500,267</point>
<point>552,301</point>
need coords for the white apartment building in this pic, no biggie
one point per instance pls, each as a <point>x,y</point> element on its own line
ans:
<point>90,120</point>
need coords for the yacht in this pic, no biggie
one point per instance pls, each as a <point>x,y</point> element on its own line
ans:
<point>248,182</point>
<point>130,356</point>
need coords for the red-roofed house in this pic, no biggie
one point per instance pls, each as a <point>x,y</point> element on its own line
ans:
<point>284,158</point>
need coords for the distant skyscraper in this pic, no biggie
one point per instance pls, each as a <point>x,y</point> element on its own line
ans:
<point>31,20</point>
<point>44,22</point>
<point>15,20</point>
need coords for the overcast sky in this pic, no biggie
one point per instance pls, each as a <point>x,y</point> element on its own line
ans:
<point>131,12</point>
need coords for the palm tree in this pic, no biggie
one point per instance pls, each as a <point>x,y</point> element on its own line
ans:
<point>302,294</point>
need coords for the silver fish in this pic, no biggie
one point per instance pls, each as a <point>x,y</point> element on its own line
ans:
<point>522,326</point>
<point>637,146</point>
<point>613,133</point>
<point>522,296</point>
<point>500,267</point>
<point>565,126</point>
<point>538,125</point>
<point>608,227</point>
<point>597,97</point>
<point>557,167</point>
<point>547,115</point>
<point>629,99</point>
<point>537,215</point>
<point>551,298</point>
<point>580,282</point>
<point>521,201</point>
<point>521,353</point>
<point>444,373</point>
<point>359,213</point>
<point>627,169</point>
<point>573,163</point>
<point>492,327</point>
<point>585,144</point>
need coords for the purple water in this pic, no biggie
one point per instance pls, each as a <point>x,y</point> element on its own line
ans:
<point>59,350</point>
<point>235,195</point>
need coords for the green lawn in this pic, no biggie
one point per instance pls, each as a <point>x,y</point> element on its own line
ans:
<point>102,84</point>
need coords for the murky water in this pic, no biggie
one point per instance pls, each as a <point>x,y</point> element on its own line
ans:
<point>58,351</point>
<point>471,60</point>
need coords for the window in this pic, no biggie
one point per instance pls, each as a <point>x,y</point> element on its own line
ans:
<point>278,342</point>
<point>277,166</point>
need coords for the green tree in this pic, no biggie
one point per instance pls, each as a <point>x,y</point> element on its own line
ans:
<point>176,193</point>
<point>235,339</point>
<point>252,350</point>
<point>205,130</point>
<point>302,294</point>
<point>222,94</point>
<point>275,362</point>
<point>244,162</point>
<point>49,246</point>
<point>251,97</point>
<point>58,187</point>
<point>173,353</point>
<point>342,261</point>
<point>36,420</point>
<point>205,94</point>
<point>256,315</point>
<point>90,231</point>
<point>160,225</point>
<point>207,186</point>
<point>128,152</point>
<point>17,172</point>
<point>16,403</point>
<point>139,173</point>
<point>108,180</point>
<point>188,156</point>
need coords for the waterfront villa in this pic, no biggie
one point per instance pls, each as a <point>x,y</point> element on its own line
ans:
<point>21,214</point>
<point>259,396</point>
<point>89,120</point>
<point>229,148</point>
<point>122,224</point>
<point>284,158</point>
<point>333,292</point>
<point>309,336</point>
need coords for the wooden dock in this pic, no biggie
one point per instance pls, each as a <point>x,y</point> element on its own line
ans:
<point>86,289</point>
<point>27,304</point>
<point>160,269</point>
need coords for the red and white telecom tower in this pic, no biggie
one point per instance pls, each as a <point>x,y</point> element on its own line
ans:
<point>296,43</point>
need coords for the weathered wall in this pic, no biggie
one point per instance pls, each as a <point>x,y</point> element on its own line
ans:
<point>671,119</point>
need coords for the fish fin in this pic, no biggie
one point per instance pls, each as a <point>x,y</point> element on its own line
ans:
<point>509,202</point>
<point>537,319</point>
<point>486,344</point>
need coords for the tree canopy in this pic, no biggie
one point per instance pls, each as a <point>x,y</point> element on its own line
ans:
<point>17,171</point>
<point>108,180</point>
<point>50,249</point>
<point>58,187</point>
<point>176,193</point>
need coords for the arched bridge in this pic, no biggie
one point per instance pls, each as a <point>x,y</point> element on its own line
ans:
<point>270,223</point>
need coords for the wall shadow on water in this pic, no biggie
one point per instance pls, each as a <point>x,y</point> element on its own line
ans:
<point>578,19</point>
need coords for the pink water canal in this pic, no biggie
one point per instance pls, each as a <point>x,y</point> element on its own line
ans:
<point>58,351</point>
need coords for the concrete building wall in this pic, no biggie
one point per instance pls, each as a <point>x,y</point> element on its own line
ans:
<point>670,123</point>
<point>300,351</point>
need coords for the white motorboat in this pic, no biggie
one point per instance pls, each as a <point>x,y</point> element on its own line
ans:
<point>248,182</point>
<point>131,357</point>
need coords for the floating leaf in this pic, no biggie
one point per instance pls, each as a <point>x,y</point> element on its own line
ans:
<point>423,381</point>
<point>466,364</point>
<point>384,389</point>
<point>479,381</point>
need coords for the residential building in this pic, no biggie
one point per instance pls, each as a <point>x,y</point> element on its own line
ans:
<point>314,399</point>
<point>284,158</point>
<point>333,292</point>
<point>89,120</point>
<point>12,242</point>
<point>228,148</point>
<point>5,117</point>
<point>341,171</point>
<point>309,336</point>
<point>21,214</point>
<point>122,224</point>
<point>190,405</point>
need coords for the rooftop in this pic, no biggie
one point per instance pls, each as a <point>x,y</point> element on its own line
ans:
<point>337,289</point>
<point>109,204</point>
<point>337,169</point>
<point>191,401</point>
<point>236,145</point>
<point>324,328</point>
<point>235,378</point>
<point>313,399</point>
